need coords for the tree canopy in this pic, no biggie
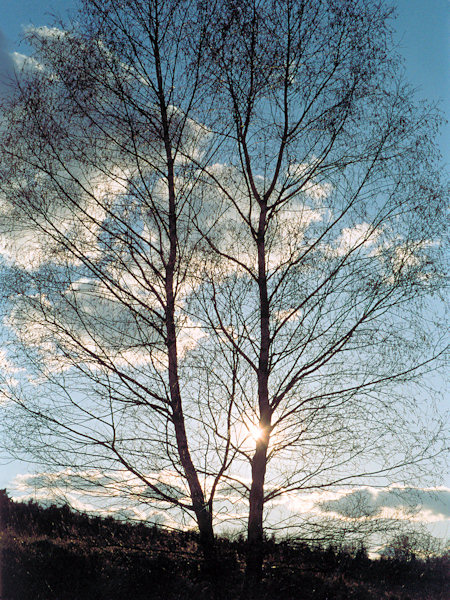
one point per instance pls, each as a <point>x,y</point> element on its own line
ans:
<point>221,229</point>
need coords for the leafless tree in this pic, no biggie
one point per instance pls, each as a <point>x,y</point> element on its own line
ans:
<point>100,252</point>
<point>222,222</point>
<point>330,241</point>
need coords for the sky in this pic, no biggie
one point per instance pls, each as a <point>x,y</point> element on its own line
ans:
<point>422,35</point>
<point>422,27</point>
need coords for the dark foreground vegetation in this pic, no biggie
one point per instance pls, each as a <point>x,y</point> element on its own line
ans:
<point>54,553</point>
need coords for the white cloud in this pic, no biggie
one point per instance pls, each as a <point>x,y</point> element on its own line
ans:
<point>120,493</point>
<point>362,234</point>
<point>25,63</point>
<point>116,493</point>
<point>6,365</point>
<point>8,370</point>
<point>407,259</point>
<point>29,242</point>
<point>44,32</point>
<point>194,140</point>
<point>395,502</point>
<point>92,320</point>
<point>229,209</point>
<point>313,189</point>
<point>7,70</point>
<point>287,230</point>
<point>288,314</point>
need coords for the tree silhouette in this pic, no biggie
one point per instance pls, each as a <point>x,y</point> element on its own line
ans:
<point>221,225</point>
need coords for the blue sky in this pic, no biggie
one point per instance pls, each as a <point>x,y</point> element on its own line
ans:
<point>423,38</point>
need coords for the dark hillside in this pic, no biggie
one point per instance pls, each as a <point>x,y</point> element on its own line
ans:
<point>55,553</point>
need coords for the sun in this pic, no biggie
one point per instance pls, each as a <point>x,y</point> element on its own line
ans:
<point>255,432</point>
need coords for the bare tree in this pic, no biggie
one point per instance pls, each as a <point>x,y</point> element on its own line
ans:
<point>330,241</point>
<point>233,221</point>
<point>97,181</point>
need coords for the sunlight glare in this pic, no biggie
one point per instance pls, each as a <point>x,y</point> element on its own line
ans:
<point>255,432</point>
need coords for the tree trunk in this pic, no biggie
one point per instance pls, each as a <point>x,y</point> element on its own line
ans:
<point>255,532</point>
<point>202,511</point>
<point>200,506</point>
<point>255,539</point>
<point>4,501</point>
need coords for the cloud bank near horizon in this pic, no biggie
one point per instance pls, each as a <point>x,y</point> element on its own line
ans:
<point>414,503</point>
<point>90,491</point>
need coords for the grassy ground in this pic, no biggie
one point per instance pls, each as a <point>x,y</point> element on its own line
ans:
<point>56,554</point>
